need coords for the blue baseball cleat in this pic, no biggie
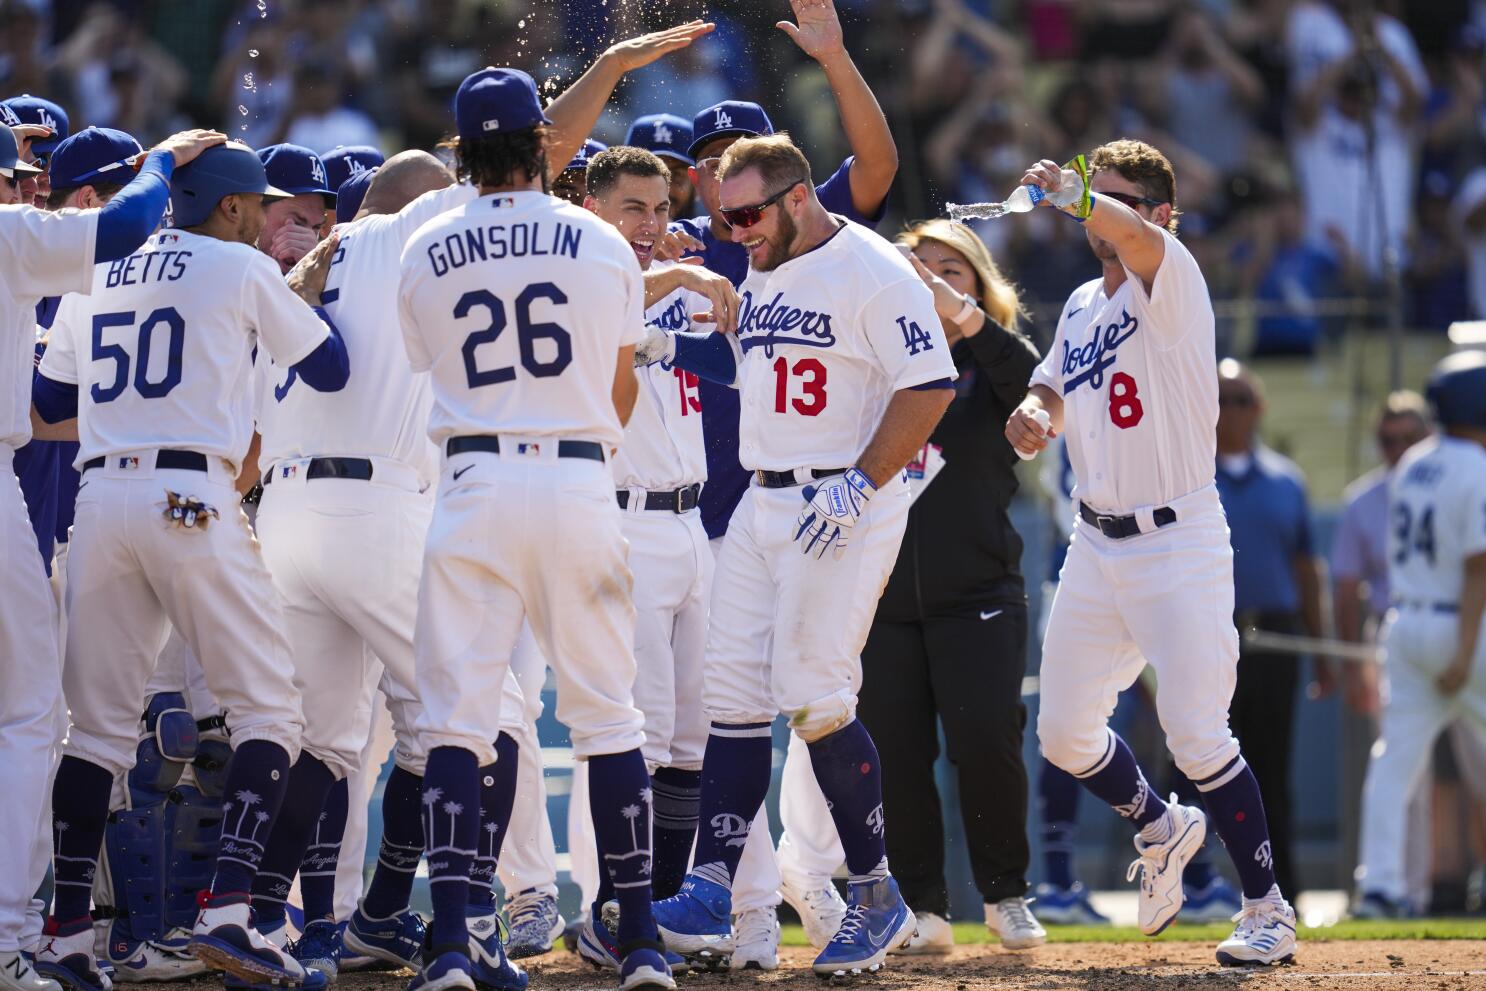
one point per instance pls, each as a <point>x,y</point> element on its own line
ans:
<point>534,922</point>
<point>1217,901</point>
<point>314,980</point>
<point>877,920</point>
<point>645,969</point>
<point>492,971</point>
<point>697,920</point>
<point>397,941</point>
<point>319,948</point>
<point>1068,906</point>
<point>597,945</point>
<point>443,972</point>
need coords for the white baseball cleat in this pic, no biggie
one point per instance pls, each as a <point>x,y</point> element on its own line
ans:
<point>755,940</point>
<point>17,974</point>
<point>934,936</point>
<point>821,909</point>
<point>1265,933</point>
<point>1013,921</point>
<point>1161,864</point>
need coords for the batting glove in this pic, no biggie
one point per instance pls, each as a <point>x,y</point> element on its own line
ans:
<point>831,510</point>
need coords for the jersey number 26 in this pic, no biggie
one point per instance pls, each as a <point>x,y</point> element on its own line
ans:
<point>528,333</point>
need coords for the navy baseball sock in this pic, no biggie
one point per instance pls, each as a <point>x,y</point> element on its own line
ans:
<point>304,800</point>
<point>451,825</point>
<point>256,780</point>
<point>79,812</point>
<point>323,855</point>
<point>1117,780</point>
<point>619,797</point>
<point>678,796</point>
<point>850,777</point>
<point>1236,811</point>
<point>735,780</point>
<point>391,885</point>
<point>1057,799</point>
<point>1198,873</point>
<point>497,795</point>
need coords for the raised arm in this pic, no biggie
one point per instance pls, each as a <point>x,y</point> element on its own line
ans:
<point>1140,245</point>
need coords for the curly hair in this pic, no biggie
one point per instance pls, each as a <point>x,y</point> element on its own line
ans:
<point>1143,165</point>
<point>493,160</point>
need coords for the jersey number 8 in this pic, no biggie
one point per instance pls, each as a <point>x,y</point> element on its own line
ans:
<point>528,333</point>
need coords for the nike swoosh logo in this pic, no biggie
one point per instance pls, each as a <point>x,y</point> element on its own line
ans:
<point>992,614</point>
<point>877,938</point>
<point>1072,312</point>
<point>462,471</point>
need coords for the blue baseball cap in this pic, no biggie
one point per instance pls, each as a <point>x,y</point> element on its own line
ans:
<point>221,171</point>
<point>11,165</point>
<point>28,109</point>
<point>295,169</point>
<point>730,118</point>
<point>664,134</point>
<point>93,155</point>
<point>350,194</point>
<point>348,160</point>
<point>589,149</point>
<point>497,101</point>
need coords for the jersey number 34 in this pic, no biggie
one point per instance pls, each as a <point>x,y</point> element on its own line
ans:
<point>558,354</point>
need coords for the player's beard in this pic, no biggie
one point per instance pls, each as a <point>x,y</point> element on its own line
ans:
<point>777,247</point>
<point>1103,250</point>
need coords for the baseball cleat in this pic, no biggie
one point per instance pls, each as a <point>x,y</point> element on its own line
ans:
<point>1265,933</point>
<point>17,974</point>
<point>314,980</point>
<point>697,920</point>
<point>445,971</point>
<point>224,938</point>
<point>934,936</point>
<point>820,909</point>
<point>1067,906</point>
<point>1376,905</point>
<point>755,940</point>
<point>645,969</point>
<point>1161,864</point>
<point>490,968</point>
<point>1216,901</point>
<point>65,955</point>
<point>597,945</point>
<point>320,947</point>
<point>135,961</point>
<point>397,941</point>
<point>534,922</point>
<point>1013,921</point>
<point>877,920</point>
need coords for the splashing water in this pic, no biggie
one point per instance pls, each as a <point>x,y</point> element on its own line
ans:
<point>252,53</point>
<point>248,83</point>
<point>242,109</point>
<point>961,212</point>
<point>262,8</point>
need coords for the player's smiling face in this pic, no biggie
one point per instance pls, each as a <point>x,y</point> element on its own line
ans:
<point>769,241</point>
<point>639,207</point>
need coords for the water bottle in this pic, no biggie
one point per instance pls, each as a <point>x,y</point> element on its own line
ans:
<point>1021,200</point>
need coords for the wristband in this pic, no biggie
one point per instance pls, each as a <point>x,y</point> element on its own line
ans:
<point>966,311</point>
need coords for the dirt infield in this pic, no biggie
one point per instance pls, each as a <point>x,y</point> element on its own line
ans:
<point>1445,965</point>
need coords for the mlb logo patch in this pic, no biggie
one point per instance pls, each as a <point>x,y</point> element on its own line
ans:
<point>288,471</point>
<point>129,463</point>
<point>503,202</point>
<point>533,449</point>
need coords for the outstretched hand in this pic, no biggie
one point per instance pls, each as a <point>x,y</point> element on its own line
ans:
<point>636,53</point>
<point>817,29</point>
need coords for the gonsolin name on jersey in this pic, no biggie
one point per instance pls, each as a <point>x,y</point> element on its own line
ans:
<point>1088,363</point>
<point>776,322</point>
<point>477,244</point>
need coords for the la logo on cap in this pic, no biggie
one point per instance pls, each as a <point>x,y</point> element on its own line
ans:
<point>8,115</point>
<point>491,125</point>
<point>356,168</point>
<point>723,120</point>
<point>662,134</point>
<point>317,171</point>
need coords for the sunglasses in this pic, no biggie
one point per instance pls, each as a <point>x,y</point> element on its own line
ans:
<point>710,165</point>
<point>1133,201</point>
<point>743,217</point>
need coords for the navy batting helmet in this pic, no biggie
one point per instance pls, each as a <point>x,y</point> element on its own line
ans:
<point>220,171</point>
<point>1457,390</point>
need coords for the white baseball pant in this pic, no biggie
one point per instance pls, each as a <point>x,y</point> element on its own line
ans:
<point>529,856</point>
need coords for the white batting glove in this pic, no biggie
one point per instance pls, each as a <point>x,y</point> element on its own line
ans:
<point>831,510</point>
<point>658,345</point>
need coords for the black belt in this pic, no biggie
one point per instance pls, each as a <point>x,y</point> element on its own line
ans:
<point>1120,527</point>
<point>784,479</point>
<point>183,460</point>
<point>357,468</point>
<point>590,449</point>
<point>682,500</point>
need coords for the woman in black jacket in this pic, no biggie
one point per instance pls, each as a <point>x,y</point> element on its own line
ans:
<point>949,640</point>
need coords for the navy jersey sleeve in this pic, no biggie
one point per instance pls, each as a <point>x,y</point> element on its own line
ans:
<point>835,195</point>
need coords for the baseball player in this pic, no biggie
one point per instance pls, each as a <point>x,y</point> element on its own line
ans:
<point>1437,574</point>
<point>669,138</point>
<point>1131,381</point>
<point>293,226</point>
<point>342,164</point>
<point>28,109</point>
<point>571,183</point>
<point>44,254</point>
<point>525,311</point>
<point>164,417</point>
<point>843,370</point>
<point>347,499</point>
<point>659,472</point>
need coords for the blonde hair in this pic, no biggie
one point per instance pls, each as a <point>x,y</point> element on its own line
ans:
<point>998,297</point>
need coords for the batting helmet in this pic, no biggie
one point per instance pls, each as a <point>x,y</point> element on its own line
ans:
<point>218,172</point>
<point>1457,390</point>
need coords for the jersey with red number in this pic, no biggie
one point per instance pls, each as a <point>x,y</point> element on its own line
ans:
<point>827,338</point>
<point>1139,379</point>
<point>663,447</point>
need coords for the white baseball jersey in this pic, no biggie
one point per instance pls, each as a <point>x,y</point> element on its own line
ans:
<point>827,338</point>
<point>510,302</point>
<point>162,351</point>
<point>1436,519</point>
<point>383,410</point>
<point>1139,380</point>
<point>663,446</point>
<point>41,254</point>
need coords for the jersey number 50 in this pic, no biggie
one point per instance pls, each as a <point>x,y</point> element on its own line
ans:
<point>528,333</point>
<point>165,316</point>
